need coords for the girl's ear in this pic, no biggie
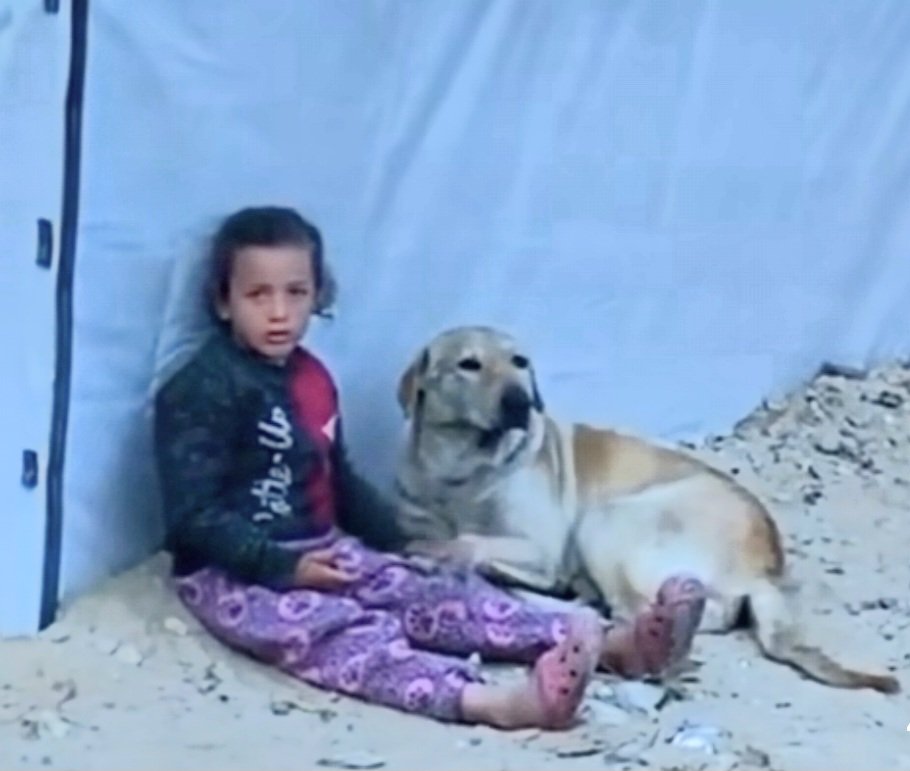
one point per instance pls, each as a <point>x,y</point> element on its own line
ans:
<point>326,294</point>
<point>221,309</point>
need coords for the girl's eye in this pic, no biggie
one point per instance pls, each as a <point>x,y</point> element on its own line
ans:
<point>520,361</point>
<point>300,291</point>
<point>469,364</point>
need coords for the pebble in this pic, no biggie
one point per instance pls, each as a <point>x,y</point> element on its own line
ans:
<point>581,750</point>
<point>356,759</point>
<point>604,713</point>
<point>725,761</point>
<point>644,697</point>
<point>601,691</point>
<point>752,757</point>
<point>46,723</point>
<point>282,707</point>
<point>631,750</point>
<point>127,654</point>
<point>830,369</point>
<point>698,736</point>
<point>105,645</point>
<point>175,626</point>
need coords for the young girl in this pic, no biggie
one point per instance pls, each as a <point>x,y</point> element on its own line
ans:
<point>281,550</point>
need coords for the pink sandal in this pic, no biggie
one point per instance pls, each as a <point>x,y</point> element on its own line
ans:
<point>658,638</point>
<point>562,673</point>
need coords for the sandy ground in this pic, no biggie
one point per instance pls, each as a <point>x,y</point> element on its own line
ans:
<point>127,680</point>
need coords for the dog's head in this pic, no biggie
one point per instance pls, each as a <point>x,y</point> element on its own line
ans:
<point>472,380</point>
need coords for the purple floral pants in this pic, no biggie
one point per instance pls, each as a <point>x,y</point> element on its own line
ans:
<point>397,636</point>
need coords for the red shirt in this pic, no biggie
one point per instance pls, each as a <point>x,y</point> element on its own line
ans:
<point>314,399</point>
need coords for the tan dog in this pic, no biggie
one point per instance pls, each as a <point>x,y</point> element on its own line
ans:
<point>488,477</point>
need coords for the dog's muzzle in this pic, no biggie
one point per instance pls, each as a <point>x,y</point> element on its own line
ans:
<point>514,408</point>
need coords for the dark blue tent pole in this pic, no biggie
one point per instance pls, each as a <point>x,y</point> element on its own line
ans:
<point>69,220</point>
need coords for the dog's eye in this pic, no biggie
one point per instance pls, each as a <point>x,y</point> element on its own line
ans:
<point>520,361</point>
<point>469,364</point>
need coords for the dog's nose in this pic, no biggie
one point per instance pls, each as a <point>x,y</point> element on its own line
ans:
<point>515,407</point>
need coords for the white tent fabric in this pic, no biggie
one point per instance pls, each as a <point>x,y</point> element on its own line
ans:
<point>34,60</point>
<point>681,207</point>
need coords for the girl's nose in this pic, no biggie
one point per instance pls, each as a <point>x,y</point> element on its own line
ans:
<point>279,307</point>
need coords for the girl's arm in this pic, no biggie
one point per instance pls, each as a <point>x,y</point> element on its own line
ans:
<point>193,436</point>
<point>362,511</point>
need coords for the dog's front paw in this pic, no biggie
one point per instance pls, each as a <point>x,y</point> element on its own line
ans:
<point>460,551</point>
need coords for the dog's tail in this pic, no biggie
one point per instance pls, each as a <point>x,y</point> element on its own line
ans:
<point>778,636</point>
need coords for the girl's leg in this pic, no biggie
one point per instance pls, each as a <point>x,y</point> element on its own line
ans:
<point>551,695</point>
<point>459,612</point>
<point>334,643</point>
<point>660,636</point>
<point>449,611</point>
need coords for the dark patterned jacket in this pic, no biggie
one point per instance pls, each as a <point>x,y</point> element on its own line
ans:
<point>250,456</point>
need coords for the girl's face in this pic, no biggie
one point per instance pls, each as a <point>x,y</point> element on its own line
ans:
<point>271,295</point>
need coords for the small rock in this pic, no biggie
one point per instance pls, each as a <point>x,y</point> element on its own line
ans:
<point>644,697</point>
<point>830,369</point>
<point>813,496</point>
<point>46,723</point>
<point>698,736</point>
<point>282,707</point>
<point>725,761</point>
<point>212,678</point>
<point>67,690</point>
<point>129,655</point>
<point>752,757</point>
<point>357,759</point>
<point>830,443</point>
<point>601,691</point>
<point>630,751</point>
<point>604,713</point>
<point>888,399</point>
<point>175,626</point>
<point>106,645</point>
<point>525,737</point>
<point>581,750</point>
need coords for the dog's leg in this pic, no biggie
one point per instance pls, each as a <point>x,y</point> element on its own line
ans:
<point>420,523</point>
<point>721,614</point>
<point>504,559</point>
<point>513,575</point>
<point>512,557</point>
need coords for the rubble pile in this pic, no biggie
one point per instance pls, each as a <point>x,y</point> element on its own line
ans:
<point>845,425</point>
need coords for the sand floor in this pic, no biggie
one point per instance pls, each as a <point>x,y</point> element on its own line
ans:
<point>126,679</point>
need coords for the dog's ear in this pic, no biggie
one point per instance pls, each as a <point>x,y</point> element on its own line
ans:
<point>536,398</point>
<point>409,384</point>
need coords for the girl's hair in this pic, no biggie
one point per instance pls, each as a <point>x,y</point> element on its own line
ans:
<point>267,226</point>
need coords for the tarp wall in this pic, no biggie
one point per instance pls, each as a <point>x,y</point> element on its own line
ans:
<point>682,207</point>
<point>34,64</point>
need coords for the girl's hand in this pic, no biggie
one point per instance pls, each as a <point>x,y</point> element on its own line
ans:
<point>317,570</point>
